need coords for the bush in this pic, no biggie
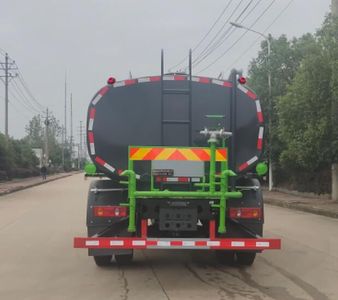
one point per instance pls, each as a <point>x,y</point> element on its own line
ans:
<point>17,159</point>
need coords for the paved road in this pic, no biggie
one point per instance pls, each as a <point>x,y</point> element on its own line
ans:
<point>37,260</point>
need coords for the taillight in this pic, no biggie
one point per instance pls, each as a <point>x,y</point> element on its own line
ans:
<point>242,80</point>
<point>245,213</point>
<point>110,211</point>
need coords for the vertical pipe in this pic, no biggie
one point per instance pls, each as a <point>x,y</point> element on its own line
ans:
<point>190,98</point>
<point>212,166</point>
<point>132,201</point>
<point>162,97</point>
<point>152,188</point>
<point>233,122</point>
<point>131,193</point>
<point>223,200</point>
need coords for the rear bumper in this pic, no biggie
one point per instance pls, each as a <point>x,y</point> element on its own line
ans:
<point>250,244</point>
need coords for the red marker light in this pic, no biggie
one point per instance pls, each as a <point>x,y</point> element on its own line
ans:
<point>111,80</point>
<point>242,80</point>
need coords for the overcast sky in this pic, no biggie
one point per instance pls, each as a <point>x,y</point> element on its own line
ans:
<point>94,39</point>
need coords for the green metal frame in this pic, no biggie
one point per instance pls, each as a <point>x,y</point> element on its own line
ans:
<point>222,194</point>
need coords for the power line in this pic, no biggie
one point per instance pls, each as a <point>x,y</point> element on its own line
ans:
<point>225,36</point>
<point>22,94</point>
<point>257,39</point>
<point>236,42</point>
<point>24,84</point>
<point>205,36</point>
<point>23,103</point>
<point>218,32</point>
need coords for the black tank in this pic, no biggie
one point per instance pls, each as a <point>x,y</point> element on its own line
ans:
<point>171,111</point>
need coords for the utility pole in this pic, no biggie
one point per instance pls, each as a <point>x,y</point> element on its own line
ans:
<point>46,154</point>
<point>65,108</point>
<point>7,66</point>
<point>71,124</point>
<point>334,109</point>
<point>64,129</point>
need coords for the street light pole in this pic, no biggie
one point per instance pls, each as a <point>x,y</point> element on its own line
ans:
<point>267,38</point>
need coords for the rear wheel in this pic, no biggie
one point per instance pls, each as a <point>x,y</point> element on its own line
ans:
<point>246,258</point>
<point>103,261</point>
<point>124,259</point>
<point>225,257</point>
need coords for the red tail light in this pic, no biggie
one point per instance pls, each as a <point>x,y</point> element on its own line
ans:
<point>111,80</point>
<point>242,80</point>
<point>245,213</point>
<point>110,211</point>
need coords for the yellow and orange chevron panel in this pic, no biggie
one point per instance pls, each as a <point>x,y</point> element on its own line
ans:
<point>163,153</point>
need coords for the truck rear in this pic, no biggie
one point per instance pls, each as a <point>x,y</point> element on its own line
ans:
<point>179,154</point>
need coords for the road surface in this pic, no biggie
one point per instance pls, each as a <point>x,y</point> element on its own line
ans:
<point>37,260</point>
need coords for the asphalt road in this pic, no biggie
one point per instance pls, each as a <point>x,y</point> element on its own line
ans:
<point>37,260</point>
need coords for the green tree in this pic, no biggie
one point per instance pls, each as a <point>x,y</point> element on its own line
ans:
<point>34,131</point>
<point>286,56</point>
<point>308,114</point>
<point>6,157</point>
<point>36,135</point>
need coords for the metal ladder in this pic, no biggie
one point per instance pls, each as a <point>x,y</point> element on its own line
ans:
<point>186,91</point>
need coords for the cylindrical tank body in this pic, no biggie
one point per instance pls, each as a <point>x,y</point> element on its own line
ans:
<point>170,111</point>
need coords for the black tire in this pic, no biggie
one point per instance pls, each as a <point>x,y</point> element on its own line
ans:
<point>103,261</point>
<point>124,259</point>
<point>225,257</point>
<point>245,258</point>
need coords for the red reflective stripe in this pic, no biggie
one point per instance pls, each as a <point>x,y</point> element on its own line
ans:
<point>251,94</point>
<point>177,155</point>
<point>180,77</point>
<point>130,81</point>
<point>92,112</point>
<point>223,152</point>
<point>155,78</point>
<point>153,153</point>
<point>260,116</point>
<point>151,243</point>
<point>176,243</point>
<point>204,80</point>
<point>201,243</point>
<point>104,90</point>
<point>183,179</point>
<point>260,144</point>
<point>132,151</point>
<point>243,166</point>
<point>202,154</point>
<point>99,160</point>
<point>91,137</point>
<point>227,84</point>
